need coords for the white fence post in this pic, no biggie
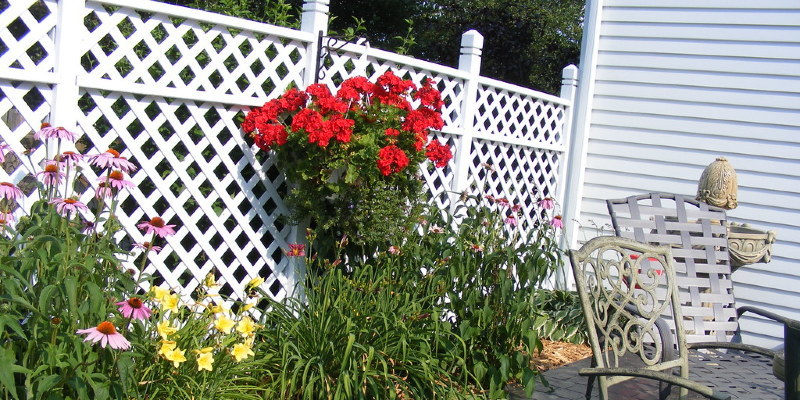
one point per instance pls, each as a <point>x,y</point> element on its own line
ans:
<point>69,36</point>
<point>569,90</point>
<point>315,21</point>
<point>470,62</point>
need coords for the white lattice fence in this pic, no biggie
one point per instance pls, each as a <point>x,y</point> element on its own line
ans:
<point>166,86</point>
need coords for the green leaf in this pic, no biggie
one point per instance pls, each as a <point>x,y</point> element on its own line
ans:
<point>529,381</point>
<point>45,384</point>
<point>45,298</point>
<point>7,359</point>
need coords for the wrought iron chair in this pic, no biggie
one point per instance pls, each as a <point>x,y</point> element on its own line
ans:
<point>625,287</point>
<point>697,236</point>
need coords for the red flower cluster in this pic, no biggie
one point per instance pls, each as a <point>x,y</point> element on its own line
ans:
<point>359,108</point>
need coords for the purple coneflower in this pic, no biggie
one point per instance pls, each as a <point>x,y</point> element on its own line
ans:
<point>394,250</point>
<point>547,203</point>
<point>158,226</point>
<point>52,175</point>
<point>476,248</point>
<point>103,191</point>
<point>116,180</point>
<point>134,308</point>
<point>70,158</point>
<point>511,220</point>
<point>10,191</point>
<point>67,206</point>
<point>502,201</point>
<point>106,333</point>
<point>147,246</point>
<point>557,222</point>
<point>49,132</point>
<point>296,250</point>
<point>111,159</point>
<point>5,218</point>
<point>436,229</point>
<point>3,149</point>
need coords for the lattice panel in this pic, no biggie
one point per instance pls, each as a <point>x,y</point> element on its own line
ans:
<point>25,34</point>
<point>438,181</point>
<point>520,174</point>
<point>161,51</point>
<point>512,115</point>
<point>23,107</point>
<point>198,173</point>
<point>340,66</point>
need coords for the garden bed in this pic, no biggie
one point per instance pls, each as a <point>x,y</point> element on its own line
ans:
<point>555,354</point>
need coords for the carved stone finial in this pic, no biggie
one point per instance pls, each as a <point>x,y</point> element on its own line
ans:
<point>718,185</point>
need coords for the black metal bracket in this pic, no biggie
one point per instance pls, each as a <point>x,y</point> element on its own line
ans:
<point>327,44</point>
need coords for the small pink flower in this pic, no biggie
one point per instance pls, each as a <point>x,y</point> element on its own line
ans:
<point>116,180</point>
<point>511,220</point>
<point>516,208</point>
<point>502,201</point>
<point>556,222</point>
<point>10,191</point>
<point>134,308</point>
<point>158,226</point>
<point>65,207</point>
<point>111,159</point>
<point>105,333</point>
<point>52,175</point>
<point>70,158</point>
<point>436,229</point>
<point>147,246</point>
<point>103,191</point>
<point>394,250</point>
<point>476,248</point>
<point>296,250</point>
<point>3,150</point>
<point>547,203</point>
<point>5,218</point>
<point>49,132</point>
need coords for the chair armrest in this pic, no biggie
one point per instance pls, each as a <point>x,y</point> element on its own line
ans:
<point>734,346</point>
<point>764,313</point>
<point>659,376</point>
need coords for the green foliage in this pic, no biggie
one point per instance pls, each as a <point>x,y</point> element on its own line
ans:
<point>560,316</point>
<point>374,333</point>
<point>275,12</point>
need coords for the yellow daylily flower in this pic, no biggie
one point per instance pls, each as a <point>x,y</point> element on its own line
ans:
<point>211,281</point>
<point>205,359</point>
<point>177,356</point>
<point>166,347</point>
<point>216,309</point>
<point>170,302</point>
<point>241,351</point>
<point>246,326</point>
<point>164,329</point>
<point>160,293</point>
<point>248,306</point>
<point>224,324</point>
<point>255,282</point>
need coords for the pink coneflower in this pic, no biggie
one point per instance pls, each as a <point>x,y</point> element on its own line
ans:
<point>502,201</point>
<point>5,218</point>
<point>3,150</point>
<point>516,208</point>
<point>476,248</point>
<point>111,159</point>
<point>67,206</point>
<point>10,191</point>
<point>147,246</point>
<point>158,226</point>
<point>106,333</point>
<point>511,220</point>
<point>394,250</point>
<point>52,175</point>
<point>116,180</point>
<point>103,191</point>
<point>296,250</point>
<point>134,308</point>
<point>436,229</point>
<point>556,222</point>
<point>87,226</point>
<point>547,203</point>
<point>49,132</point>
<point>70,158</point>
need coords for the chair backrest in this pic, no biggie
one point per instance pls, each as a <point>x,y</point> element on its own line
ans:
<point>625,287</point>
<point>698,236</point>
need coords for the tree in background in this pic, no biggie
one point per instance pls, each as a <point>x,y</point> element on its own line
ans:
<point>527,42</point>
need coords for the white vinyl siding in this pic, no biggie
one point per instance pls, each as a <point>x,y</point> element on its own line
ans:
<point>675,84</point>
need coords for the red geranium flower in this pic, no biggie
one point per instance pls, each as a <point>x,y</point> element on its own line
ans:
<point>438,153</point>
<point>391,159</point>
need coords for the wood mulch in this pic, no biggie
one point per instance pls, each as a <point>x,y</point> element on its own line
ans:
<point>556,354</point>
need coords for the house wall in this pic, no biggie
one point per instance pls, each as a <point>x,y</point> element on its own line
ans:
<point>669,85</point>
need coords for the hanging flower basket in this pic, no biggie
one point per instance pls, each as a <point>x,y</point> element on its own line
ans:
<point>352,157</point>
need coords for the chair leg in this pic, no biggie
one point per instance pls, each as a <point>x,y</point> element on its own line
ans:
<point>590,381</point>
<point>792,349</point>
